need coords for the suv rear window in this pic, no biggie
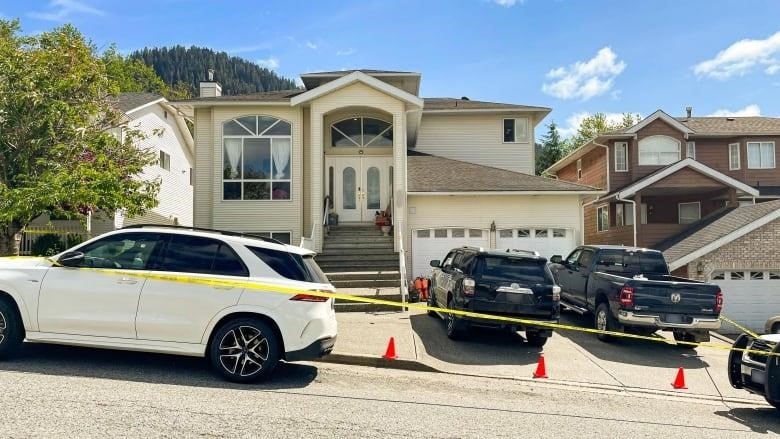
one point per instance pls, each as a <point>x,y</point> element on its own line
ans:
<point>290,265</point>
<point>508,269</point>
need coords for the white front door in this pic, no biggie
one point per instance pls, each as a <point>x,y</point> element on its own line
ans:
<point>361,186</point>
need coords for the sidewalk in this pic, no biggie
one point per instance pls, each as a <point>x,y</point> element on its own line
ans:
<point>572,358</point>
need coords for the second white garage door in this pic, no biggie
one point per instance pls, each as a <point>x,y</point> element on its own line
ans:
<point>548,242</point>
<point>430,244</point>
<point>750,297</point>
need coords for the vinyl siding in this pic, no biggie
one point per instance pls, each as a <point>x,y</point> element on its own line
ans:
<point>476,139</point>
<point>175,196</point>
<point>594,171</point>
<point>357,97</point>
<point>204,185</point>
<point>479,212</point>
<point>245,215</point>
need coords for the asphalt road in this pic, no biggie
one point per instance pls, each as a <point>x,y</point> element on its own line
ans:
<point>54,391</point>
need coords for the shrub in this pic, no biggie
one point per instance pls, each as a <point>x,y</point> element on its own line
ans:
<point>47,245</point>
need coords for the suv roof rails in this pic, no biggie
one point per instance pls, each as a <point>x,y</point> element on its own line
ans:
<point>528,252</point>
<point>471,247</point>
<point>201,229</point>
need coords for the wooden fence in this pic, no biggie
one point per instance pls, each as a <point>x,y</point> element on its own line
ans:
<point>68,234</point>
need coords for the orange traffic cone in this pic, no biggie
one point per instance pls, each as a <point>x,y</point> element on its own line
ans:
<point>540,369</point>
<point>390,352</point>
<point>679,381</point>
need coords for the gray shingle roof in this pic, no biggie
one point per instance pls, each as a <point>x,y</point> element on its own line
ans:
<point>268,96</point>
<point>366,71</point>
<point>130,101</point>
<point>733,125</point>
<point>429,173</point>
<point>466,104</point>
<point>728,223</point>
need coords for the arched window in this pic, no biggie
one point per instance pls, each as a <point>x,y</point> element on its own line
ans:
<point>361,132</point>
<point>256,159</point>
<point>659,150</point>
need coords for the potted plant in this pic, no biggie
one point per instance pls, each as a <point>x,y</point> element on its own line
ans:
<point>382,220</point>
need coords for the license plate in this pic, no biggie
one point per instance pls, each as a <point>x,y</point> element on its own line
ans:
<point>514,290</point>
<point>674,318</point>
<point>758,376</point>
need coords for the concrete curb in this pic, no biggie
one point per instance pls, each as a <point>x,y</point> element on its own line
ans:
<point>366,360</point>
<point>417,366</point>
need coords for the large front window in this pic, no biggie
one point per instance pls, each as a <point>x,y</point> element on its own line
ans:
<point>658,150</point>
<point>256,156</point>
<point>361,132</point>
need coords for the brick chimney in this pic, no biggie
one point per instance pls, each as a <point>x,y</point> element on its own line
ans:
<point>210,88</point>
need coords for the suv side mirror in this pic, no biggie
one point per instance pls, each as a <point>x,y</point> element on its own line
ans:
<point>556,259</point>
<point>71,259</point>
<point>435,263</point>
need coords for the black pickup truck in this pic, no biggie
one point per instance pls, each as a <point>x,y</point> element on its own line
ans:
<point>630,289</point>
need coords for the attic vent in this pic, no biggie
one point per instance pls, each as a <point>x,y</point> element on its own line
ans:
<point>464,98</point>
<point>730,119</point>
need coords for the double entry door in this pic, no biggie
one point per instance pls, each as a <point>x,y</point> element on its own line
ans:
<point>360,186</point>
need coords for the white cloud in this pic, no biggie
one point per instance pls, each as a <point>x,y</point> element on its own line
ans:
<point>311,45</point>
<point>573,122</point>
<point>61,10</point>
<point>587,79</point>
<point>271,63</point>
<point>345,52</point>
<point>742,57</point>
<point>750,110</point>
<point>508,3</point>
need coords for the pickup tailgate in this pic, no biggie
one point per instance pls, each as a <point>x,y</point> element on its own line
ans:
<point>674,297</point>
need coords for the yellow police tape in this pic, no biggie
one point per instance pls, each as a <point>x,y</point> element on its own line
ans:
<point>275,288</point>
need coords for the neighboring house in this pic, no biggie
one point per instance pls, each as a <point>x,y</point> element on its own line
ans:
<point>450,172</point>
<point>166,134</point>
<point>686,186</point>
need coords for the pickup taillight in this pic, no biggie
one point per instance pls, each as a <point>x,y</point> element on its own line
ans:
<point>719,301</point>
<point>468,286</point>
<point>556,293</point>
<point>627,297</point>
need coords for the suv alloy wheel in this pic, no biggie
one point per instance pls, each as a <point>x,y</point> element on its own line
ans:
<point>245,350</point>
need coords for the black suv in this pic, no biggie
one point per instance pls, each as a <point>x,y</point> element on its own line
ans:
<point>514,283</point>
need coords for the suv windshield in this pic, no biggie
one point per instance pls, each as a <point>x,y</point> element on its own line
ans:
<point>508,269</point>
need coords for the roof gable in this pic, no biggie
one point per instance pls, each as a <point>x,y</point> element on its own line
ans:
<point>356,76</point>
<point>662,173</point>
<point>659,114</point>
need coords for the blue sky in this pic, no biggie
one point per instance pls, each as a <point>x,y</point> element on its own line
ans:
<point>578,57</point>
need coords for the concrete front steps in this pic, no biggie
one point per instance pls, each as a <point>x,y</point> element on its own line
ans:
<point>359,261</point>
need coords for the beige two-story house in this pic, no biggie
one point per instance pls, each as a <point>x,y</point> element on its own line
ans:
<point>448,172</point>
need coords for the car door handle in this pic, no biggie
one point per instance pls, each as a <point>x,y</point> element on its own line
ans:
<point>127,281</point>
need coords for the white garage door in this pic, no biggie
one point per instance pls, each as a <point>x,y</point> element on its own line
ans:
<point>750,297</point>
<point>430,244</point>
<point>548,242</point>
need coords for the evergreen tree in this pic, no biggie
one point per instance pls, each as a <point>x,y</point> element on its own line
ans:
<point>553,149</point>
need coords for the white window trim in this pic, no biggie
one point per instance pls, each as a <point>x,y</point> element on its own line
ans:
<point>690,147</point>
<point>639,151</point>
<point>579,169</point>
<point>761,142</point>
<point>524,139</point>
<point>598,216</point>
<point>732,166</point>
<point>679,211</point>
<point>624,146</point>
<point>619,207</point>
<point>165,158</point>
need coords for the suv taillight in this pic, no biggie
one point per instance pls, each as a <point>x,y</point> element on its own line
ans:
<point>468,286</point>
<point>627,297</point>
<point>556,293</point>
<point>310,297</point>
<point>719,301</point>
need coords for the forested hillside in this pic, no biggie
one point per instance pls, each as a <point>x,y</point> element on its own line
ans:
<point>190,66</point>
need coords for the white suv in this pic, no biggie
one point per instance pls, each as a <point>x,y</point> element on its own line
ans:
<point>169,306</point>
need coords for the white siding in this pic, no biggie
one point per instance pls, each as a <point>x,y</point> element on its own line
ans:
<point>476,138</point>
<point>204,183</point>
<point>479,212</point>
<point>175,196</point>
